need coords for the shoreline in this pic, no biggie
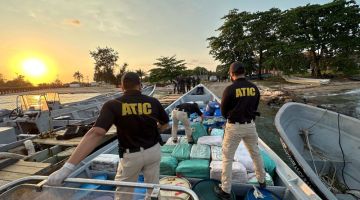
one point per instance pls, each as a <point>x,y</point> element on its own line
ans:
<point>280,92</point>
<point>68,90</point>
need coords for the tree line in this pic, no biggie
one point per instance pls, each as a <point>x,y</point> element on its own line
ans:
<point>317,37</point>
<point>166,68</point>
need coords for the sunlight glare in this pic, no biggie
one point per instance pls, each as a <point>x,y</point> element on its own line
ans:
<point>34,67</point>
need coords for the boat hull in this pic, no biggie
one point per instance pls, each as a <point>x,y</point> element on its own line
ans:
<point>316,138</point>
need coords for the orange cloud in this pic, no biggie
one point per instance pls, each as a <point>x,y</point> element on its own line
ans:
<point>72,22</point>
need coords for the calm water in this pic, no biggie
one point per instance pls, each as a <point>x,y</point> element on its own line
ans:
<point>9,101</point>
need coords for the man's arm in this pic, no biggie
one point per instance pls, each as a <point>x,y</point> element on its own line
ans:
<point>87,144</point>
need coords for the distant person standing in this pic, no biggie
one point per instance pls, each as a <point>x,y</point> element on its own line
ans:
<point>188,84</point>
<point>175,85</point>
<point>182,83</point>
<point>193,81</point>
<point>197,80</point>
<point>182,113</point>
<point>239,106</point>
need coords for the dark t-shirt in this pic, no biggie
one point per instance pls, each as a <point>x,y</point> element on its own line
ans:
<point>240,101</point>
<point>189,108</point>
<point>135,117</point>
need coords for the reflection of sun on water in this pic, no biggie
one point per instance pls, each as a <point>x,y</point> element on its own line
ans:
<point>34,67</point>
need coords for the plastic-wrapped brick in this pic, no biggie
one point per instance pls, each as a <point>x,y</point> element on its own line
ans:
<point>211,140</point>
<point>182,151</point>
<point>239,173</point>
<point>217,132</point>
<point>105,162</point>
<point>253,180</point>
<point>200,151</point>
<point>216,153</point>
<point>168,165</point>
<point>193,168</point>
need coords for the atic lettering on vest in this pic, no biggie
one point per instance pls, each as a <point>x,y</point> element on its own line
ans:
<point>136,109</point>
<point>245,92</point>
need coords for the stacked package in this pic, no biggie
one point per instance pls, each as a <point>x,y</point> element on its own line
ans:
<point>193,168</point>
<point>182,151</point>
<point>210,140</point>
<point>168,165</point>
<point>253,180</point>
<point>200,151</point>
<point>216,153</point>
<point>269,164</point>
<point>183,140</point>
<point>242,155</point>
<point>167,148</point>
<point>198,130</point>
<point>239,173</point>
<point>105,162</point>
<point>217,132</point>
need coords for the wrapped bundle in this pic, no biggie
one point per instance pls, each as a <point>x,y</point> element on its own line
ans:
<point>200,151</point>
<point>182,152</point>
<point>193,168</point>
<point>105,162</point>
<point>210,140</point>
<point>239,173</point>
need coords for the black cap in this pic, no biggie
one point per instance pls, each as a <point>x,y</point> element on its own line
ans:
<point>237,68</point>
<point>130,79</point>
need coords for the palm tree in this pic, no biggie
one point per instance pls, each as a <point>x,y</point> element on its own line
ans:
<point>141,73</point>
<point>78,76</point>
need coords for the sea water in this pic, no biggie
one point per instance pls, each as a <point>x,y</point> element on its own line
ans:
<point>9,101</point>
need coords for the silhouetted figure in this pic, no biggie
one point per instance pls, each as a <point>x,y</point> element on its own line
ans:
<point>175,86</point>
<point>182,83</point>
<point>193,81</point>
<point>197,80</point>
<point>188,84</point>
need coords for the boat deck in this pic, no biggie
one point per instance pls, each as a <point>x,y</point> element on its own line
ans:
<point>22,169</point>
<point>168,99</point>
<point>111,134</point>
<point>11,170</point>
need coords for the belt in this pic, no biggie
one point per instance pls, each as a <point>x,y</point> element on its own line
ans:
<point>241,122</point>
<point>136,149</point>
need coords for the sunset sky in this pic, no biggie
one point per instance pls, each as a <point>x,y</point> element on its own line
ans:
<point>45,39</point>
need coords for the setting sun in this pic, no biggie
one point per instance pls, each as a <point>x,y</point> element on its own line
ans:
<point>34,67</point>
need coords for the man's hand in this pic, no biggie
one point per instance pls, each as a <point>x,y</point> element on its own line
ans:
<point>163,127</point>
<point>57,177</point>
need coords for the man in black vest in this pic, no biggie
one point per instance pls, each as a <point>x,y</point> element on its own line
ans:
<point>137,118</point>
<point>239,106</point>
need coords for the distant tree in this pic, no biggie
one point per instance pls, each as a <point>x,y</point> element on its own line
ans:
<point>261,36</point>
<point>325,31</point>
<point>122,71</point>
<point>19,81</point>
<point>105,62</point>
<point>168,68</point>
<point>78,76</point>
<point>141,73</point>
<point>198,71</point>
<point>231,44</point>
<point>57,82</point>
<point>2,81</point>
